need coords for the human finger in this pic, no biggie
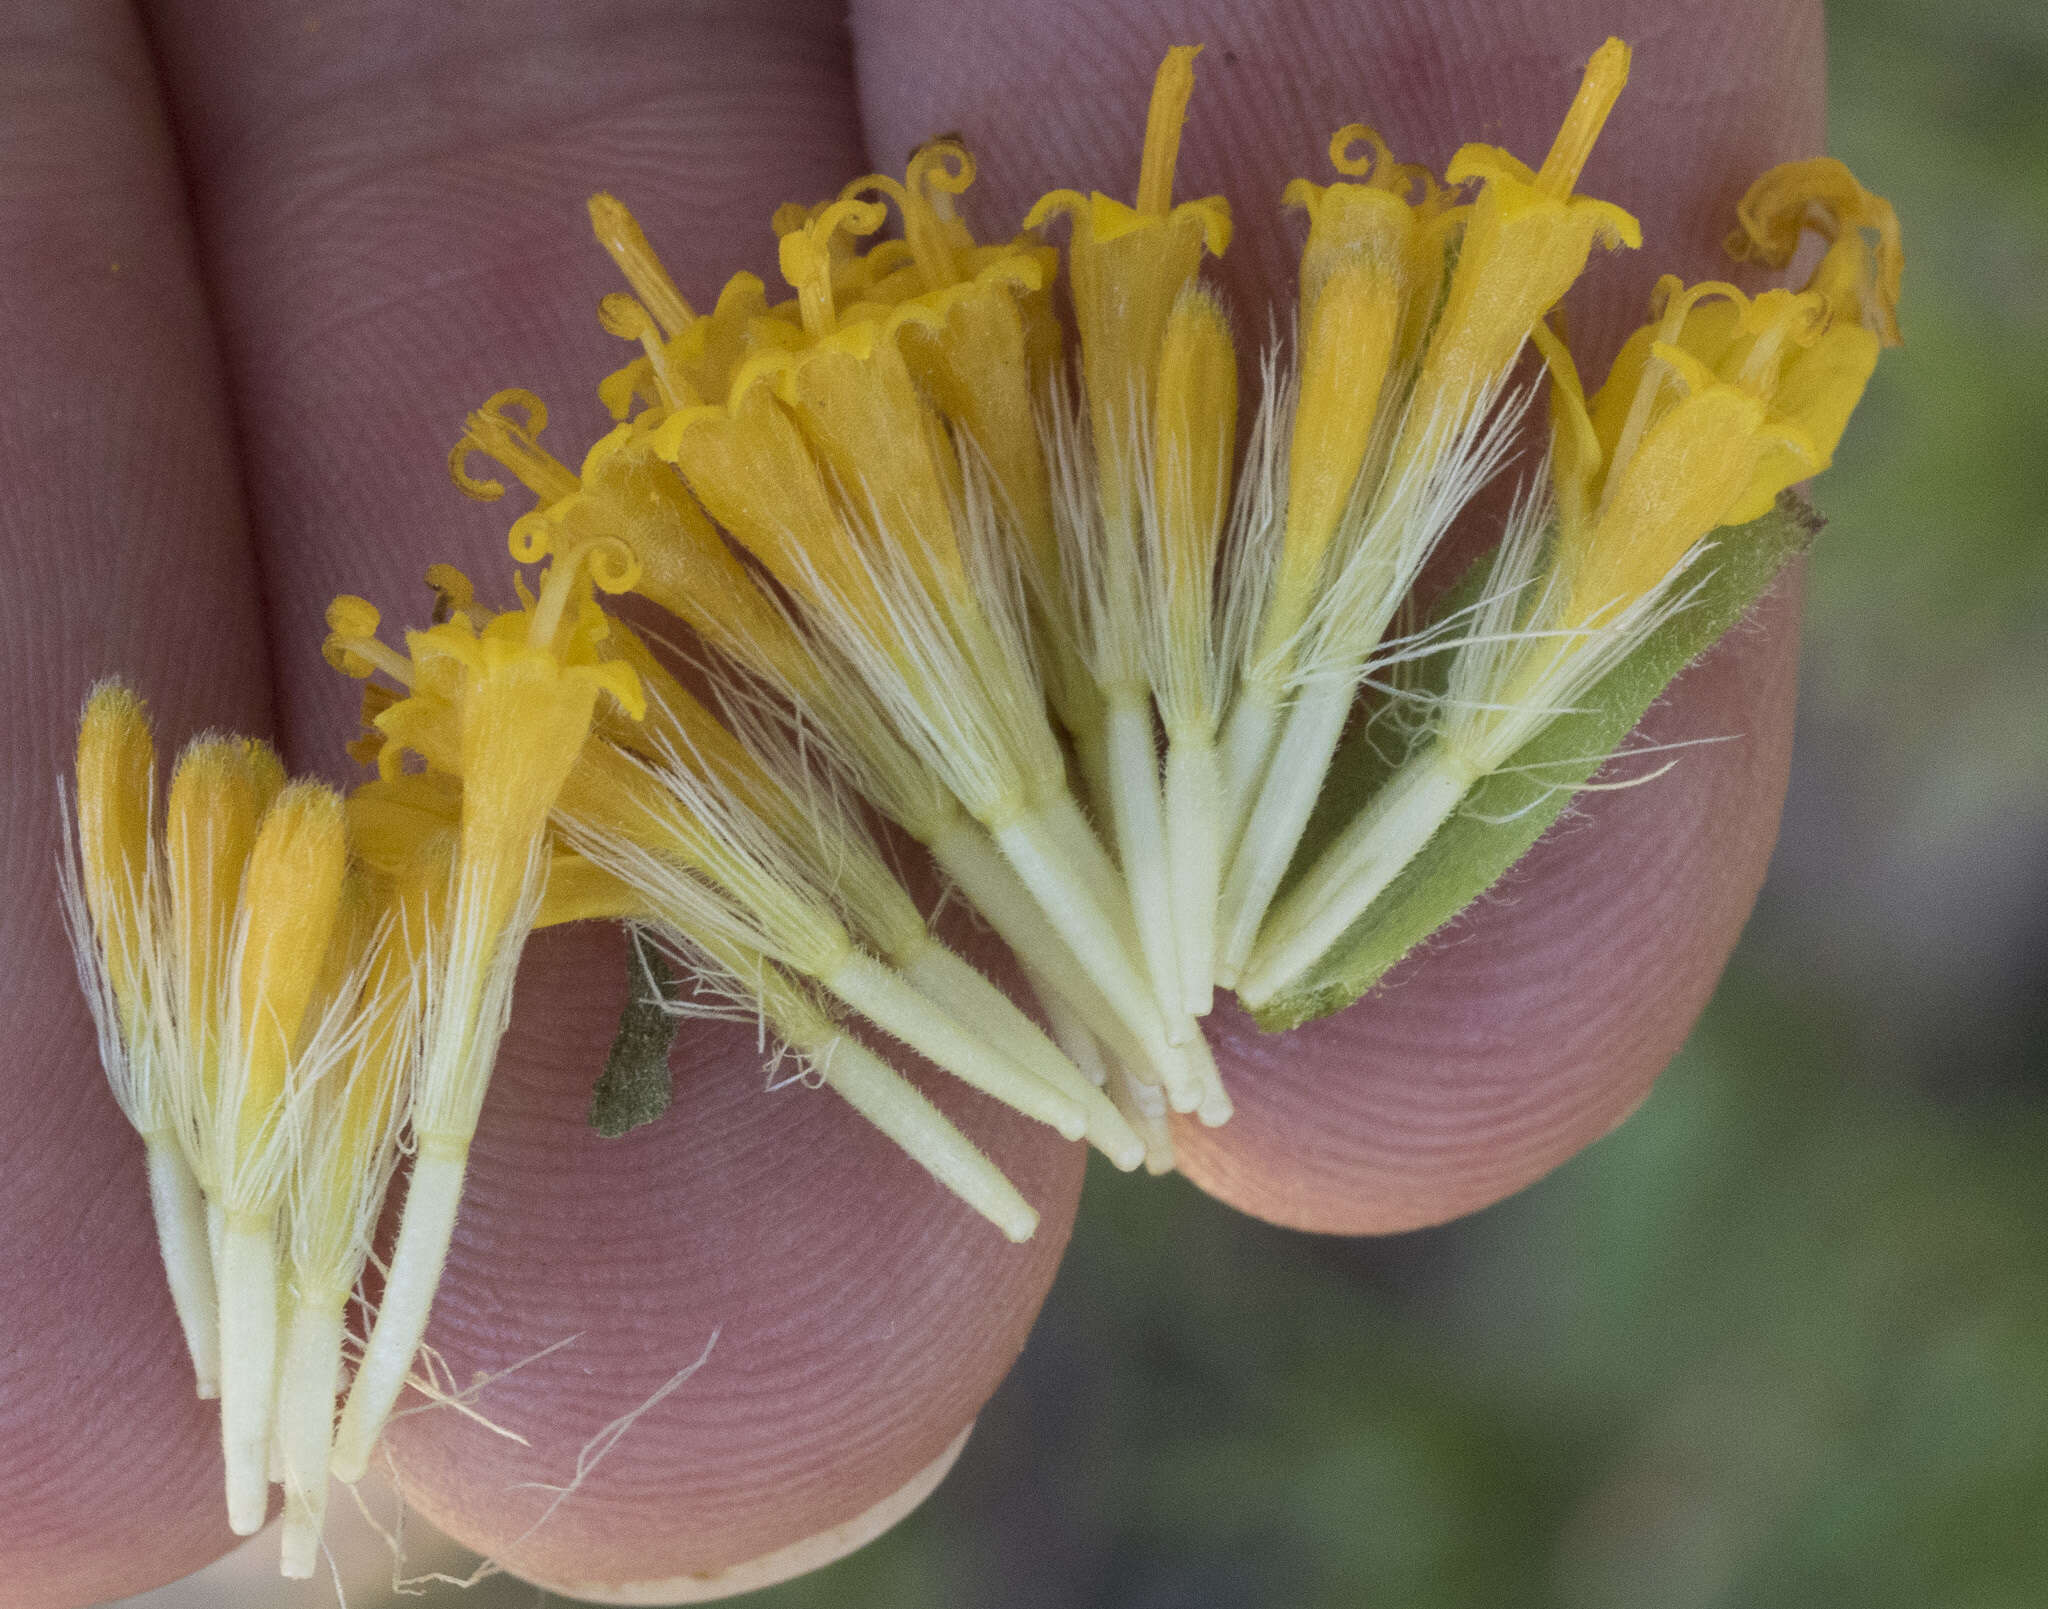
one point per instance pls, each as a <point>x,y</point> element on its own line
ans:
<point>123,529</point>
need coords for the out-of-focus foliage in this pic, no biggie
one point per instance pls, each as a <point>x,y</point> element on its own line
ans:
<point>1781,1342</point>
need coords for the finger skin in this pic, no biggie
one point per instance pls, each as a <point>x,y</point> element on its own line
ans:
<point>395,214</point>
<point>1540,1018</point>
<point>861,1317</point>
<point>126,555</point>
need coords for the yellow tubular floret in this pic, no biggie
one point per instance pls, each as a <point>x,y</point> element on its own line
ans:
<point>752,470</point>
<point>1351,321</point>
<point>1708,413</point>
<point>1126,266</point>
<point>881,443</point>
<point>519,694</point>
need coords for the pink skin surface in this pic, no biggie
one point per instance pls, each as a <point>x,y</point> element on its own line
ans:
<point>256,265</point>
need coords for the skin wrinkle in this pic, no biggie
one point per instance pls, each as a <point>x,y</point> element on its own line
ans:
<point>346,445</point>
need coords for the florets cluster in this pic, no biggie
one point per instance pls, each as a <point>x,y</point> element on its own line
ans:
<point>966,537</point>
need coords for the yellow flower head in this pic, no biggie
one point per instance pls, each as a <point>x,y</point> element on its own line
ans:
<point>850,430</point>
<point>1673,445</point>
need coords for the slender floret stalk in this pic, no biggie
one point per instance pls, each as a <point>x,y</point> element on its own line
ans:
<point>112,902</point>
<point>507,708</point>
<point>807,812</point>
<point>867,1083</point>
<point>702,808</point>
<point>703,861</point>
<point>1710,411</point>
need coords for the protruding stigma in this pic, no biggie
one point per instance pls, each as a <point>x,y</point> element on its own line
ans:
<point>629,319</point>
<point>507,428</point>
<point>611,566</point>
<point>1605,77</point>
<point>1171,89</point>
<point>618,231</point>
<point>806,257</point>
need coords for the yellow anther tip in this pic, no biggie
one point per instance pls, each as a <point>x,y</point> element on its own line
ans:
<point>1172,88</point>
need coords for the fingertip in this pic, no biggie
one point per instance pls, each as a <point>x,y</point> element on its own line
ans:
<point>112,1479</point>
<point>861,1316</point>
<point>1540,1017</point>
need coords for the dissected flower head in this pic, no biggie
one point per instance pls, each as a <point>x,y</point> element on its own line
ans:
<point>964,527</point>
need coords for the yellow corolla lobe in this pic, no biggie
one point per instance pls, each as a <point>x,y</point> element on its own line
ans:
<point>1859,273</point>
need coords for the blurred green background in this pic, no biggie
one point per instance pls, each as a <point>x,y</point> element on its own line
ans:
<point>1782,1340</point>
